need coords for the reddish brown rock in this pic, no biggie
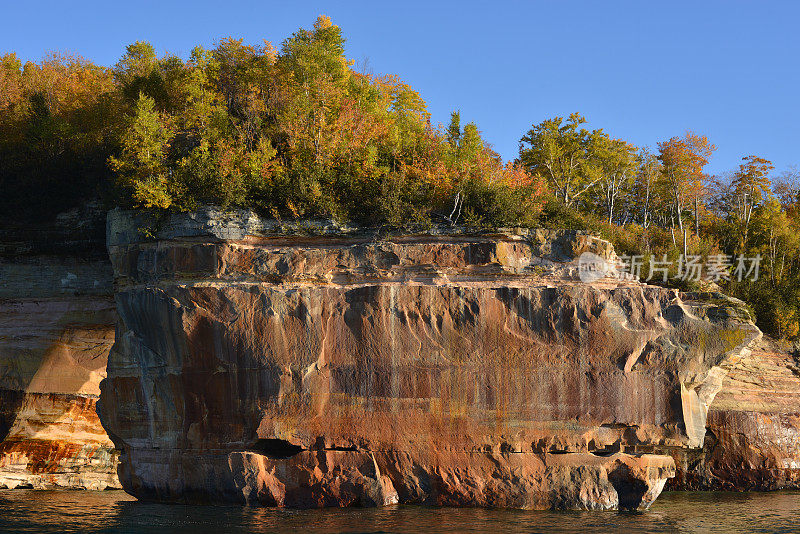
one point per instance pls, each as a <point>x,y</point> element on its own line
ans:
<point>53,355</point>
<point>318,366</point>
<point>753,437</point>
<point>56,328</point>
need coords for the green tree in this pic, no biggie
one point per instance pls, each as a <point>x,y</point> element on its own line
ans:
<point>142,164</point>
<point>616,160</point>
<point>138,71</point>
<point>646,195</point>
<point>558,150</point>
<point>453,134</point>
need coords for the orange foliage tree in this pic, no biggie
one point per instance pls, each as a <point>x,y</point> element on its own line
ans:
<point>683,160</point>
<point>296,132</point>
<point>58,122</point>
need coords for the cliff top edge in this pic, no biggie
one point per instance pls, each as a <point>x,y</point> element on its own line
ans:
<point>127,227</point>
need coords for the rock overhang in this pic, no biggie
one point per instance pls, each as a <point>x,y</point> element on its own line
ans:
<point>430,356</point>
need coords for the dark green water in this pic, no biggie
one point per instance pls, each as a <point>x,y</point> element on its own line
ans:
<point>114,511</point>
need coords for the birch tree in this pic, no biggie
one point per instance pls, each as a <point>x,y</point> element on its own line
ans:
<point>559,151</point>
<point>683,159</point>
<point>645,186</point>
<point>751,187</point>
<point>616,164</point>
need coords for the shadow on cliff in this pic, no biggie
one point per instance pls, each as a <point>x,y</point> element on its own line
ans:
<point>10,404</point>
<point>630,488</point>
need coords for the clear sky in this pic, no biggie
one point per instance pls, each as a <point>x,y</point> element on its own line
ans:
<point>642,70</point>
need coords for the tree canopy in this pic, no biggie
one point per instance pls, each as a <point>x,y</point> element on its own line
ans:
<point>297,132</point>
<point>294,131</point>
<point>291,131</point>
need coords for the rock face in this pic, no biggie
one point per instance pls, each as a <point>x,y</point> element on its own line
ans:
<point>56,327</point>
<point>310,366</point>
<point>753,437</point>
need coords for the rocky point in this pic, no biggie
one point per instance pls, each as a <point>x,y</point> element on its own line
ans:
<point>308,365</point>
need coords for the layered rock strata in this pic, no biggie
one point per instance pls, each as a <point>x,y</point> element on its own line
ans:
<point>753,436</point>
<point>56,328</point>
<point>309,365</point>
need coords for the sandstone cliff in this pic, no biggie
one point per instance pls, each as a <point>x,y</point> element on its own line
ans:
<point>753,436</point>
<point>56,328</point>
<point>310,365</point>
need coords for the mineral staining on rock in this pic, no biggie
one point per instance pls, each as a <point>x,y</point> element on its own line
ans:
<point>53,355</point>
<point>753,436</point>
<point>311,366</point>
<point>56,327</point>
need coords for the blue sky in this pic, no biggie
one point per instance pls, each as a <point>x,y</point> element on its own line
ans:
<point>643,71</point>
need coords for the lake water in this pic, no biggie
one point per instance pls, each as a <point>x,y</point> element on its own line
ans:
<point>115,511</point>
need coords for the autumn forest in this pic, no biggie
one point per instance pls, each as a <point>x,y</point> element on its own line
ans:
<point>298,131</point>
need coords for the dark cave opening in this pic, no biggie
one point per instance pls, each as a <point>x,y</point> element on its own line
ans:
<point>275,448</point>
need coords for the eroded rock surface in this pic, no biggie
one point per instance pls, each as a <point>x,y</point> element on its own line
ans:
<point>308,366</point>
<point>753,437</point>
<point>56,327</point>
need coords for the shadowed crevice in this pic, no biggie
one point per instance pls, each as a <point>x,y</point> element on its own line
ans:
<point>277,449</point>
<point>630,489</point>
<point>10,403</point>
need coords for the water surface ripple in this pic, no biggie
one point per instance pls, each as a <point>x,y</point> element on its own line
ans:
<point>115,511</point>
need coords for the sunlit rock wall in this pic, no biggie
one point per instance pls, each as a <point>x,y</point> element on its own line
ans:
<point>311,365</point>
<point>753,436</point>
<point>56,328</point>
